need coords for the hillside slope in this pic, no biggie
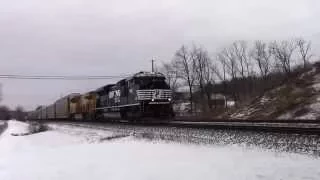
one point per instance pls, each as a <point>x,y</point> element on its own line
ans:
<point>298,98</point>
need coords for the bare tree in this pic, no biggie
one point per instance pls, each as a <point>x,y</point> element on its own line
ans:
<point>282,52</point>
<point>241,53</point>
<point>19,113</point>
<point>186,66</point>
<point>4,113</point>
<point>223,67</point>
<point>230,62</point>
<point>171,71</point>
<point>262,56</point>
<point>223,63</point>
<point>204,73</point>
<point>304,48</point>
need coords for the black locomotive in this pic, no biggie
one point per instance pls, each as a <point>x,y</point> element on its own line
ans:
<point>142,95</point>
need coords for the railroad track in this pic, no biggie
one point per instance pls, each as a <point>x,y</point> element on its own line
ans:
<point>299,128</point>
<point>279,127</point>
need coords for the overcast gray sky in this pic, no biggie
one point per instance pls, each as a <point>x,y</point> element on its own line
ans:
<point>112,37</point>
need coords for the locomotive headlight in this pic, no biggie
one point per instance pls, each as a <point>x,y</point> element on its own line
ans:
<point>169,99</point>
<point>152,100</point>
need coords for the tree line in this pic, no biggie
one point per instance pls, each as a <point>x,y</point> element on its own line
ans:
<point>7,114</point>
<point>241,70</point>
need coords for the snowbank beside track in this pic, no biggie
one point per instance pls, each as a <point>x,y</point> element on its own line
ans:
<point>72,153</point>
<point>17,128</point>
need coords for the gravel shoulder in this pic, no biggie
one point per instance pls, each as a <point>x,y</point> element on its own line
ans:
<point>280,142</point>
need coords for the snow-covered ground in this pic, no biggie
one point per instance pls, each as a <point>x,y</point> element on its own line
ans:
<point>88,154</point>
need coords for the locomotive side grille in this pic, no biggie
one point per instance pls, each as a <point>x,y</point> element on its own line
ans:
<point>158,94</point>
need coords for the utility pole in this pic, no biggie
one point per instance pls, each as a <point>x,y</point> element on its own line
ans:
<point>0,92</point>
<point>152,61</point>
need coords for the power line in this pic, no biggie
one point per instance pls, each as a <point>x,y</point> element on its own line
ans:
<point>47,77</point>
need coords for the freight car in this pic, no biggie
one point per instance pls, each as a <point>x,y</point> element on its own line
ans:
<point>143,95</point>
<point>60,110</point>
<point>51,111</point>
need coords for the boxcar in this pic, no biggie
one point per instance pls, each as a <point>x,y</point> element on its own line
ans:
<point>43,113</point>
<point>51,112</point>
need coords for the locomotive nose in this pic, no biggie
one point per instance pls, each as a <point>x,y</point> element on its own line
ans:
<point>155,94</point>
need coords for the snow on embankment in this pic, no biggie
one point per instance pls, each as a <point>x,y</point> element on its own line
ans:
<point>298,98</point>
<point>139,160</point>
<point>10,143</point>
<point>16,128</point>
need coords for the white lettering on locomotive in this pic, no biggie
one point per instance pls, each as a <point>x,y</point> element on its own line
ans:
<point>117,93</point>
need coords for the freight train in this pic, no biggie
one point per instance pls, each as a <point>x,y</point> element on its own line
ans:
<point>142,96</point>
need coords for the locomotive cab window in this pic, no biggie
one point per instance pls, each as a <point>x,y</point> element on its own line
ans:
<point>152,83</point>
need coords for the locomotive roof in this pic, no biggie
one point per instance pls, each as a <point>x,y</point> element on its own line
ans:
<point>103,88</point>
<point>144,74</point>
<point>137,75</point>
<point>148,74</point>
